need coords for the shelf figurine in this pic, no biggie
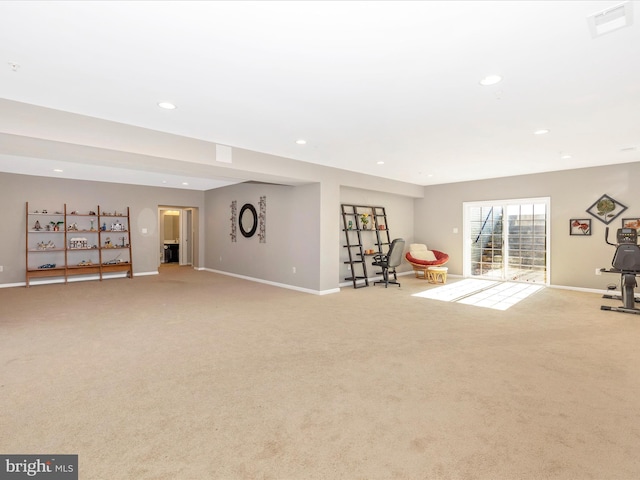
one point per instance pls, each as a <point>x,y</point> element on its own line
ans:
<point>364,218</point>
<point>117,227</point>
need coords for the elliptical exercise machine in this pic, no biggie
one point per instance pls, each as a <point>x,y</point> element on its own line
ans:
<point>626,262</point>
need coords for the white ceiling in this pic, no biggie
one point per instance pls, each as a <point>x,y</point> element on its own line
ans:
<point>361,82</point>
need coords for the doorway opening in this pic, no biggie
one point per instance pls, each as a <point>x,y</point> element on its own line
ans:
<point>176,235</point>
<point>507,240</point>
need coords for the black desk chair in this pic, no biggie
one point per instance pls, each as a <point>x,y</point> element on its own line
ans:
<point>389,262</point>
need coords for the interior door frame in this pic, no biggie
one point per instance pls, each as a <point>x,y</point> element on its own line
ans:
<point>186,236</point>
<point>187,233</point>
<point>466,230</point>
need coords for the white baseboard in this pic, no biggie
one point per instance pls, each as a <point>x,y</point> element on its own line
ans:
<point>75,278</point>
<point>275,284</point>
<point>580,289</point>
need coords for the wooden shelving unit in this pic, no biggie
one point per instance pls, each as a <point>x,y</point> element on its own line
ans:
<point>63,244</point>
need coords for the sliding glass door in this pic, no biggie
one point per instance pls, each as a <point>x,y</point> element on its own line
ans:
<point>507,240</point>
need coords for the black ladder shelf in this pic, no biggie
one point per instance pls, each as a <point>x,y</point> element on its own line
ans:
<point>353,227</point>
<point>381,228</point>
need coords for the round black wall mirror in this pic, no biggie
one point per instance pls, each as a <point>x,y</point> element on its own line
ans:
<point>247,228</point>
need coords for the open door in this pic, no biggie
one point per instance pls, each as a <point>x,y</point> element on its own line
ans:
<point>176,229</point>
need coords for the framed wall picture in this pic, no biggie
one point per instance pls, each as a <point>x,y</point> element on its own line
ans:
<point>631,223</point>
<point>606,209</point>
<point>580,226</point>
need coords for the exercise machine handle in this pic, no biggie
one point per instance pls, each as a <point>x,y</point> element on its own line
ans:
<point>606,237</point>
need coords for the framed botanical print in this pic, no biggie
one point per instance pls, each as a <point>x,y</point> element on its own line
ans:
<point>631,223</point>
<point>606,209</point>
<point>580,226</point>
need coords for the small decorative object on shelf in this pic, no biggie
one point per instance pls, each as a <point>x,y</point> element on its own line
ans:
<point>55,226</point>
<point>78,242</point>
<point>114,261</point>
<point>117,227</point>
<point>37,226</point>
<point>364,218</point>
<point>47,265</point>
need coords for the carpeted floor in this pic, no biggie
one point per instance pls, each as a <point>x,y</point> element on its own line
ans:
<point>191,375</point>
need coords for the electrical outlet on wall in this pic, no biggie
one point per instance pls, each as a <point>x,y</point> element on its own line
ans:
<point>1,268</point>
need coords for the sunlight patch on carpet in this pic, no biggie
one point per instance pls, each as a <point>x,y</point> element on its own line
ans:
<point>482,293</point>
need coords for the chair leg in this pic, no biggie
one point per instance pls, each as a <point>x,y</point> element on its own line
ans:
<point>395,278</point>
<point>385,277</point>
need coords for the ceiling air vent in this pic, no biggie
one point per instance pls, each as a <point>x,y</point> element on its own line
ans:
<point>610,19</point>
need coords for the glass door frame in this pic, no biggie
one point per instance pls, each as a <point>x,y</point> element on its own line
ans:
<point>504,204</point>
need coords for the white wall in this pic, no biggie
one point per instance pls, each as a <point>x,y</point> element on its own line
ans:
<point>53,193</point>
<point>292,234</point>
<point>574,259</point>
<point>304,227</point>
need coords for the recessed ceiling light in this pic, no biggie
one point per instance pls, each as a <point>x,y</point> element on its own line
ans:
<point>490,80</point>
<point>185,183</point>
<point>58,170</point>
<point>565,157</point>
<point>167,105</point>
<point>301,142</point>
<point>380,162</point>
<point>542,131</point>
